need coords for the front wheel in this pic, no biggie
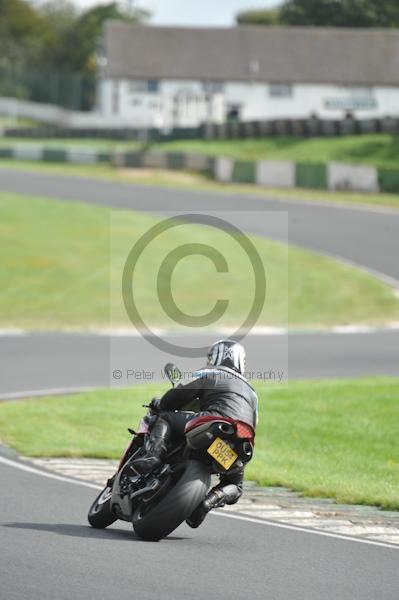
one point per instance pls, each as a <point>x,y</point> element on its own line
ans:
<point>100,514</point>
<point>156,522</point>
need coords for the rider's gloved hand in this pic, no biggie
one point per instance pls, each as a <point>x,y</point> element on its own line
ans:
<point>155,404</point>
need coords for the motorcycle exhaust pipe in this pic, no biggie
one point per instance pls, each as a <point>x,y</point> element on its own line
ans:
<point>226,429</point>
<point>247,450</point>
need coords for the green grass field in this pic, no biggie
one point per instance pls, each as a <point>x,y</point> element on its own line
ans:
<point>380,150</point>
<point>196,181</point>
<point>56,259</point>
<point>10,122</point>
<point>332,438</point>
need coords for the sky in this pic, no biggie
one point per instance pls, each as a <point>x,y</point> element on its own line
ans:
<point>191,12</point>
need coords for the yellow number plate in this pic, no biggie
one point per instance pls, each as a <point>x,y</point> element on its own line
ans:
<point>222,453</point>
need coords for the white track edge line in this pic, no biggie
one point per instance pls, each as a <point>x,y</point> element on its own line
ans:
<point>46,392</point>
<point>339,536</point>
<point>28,469</point>
<point>261,331</point>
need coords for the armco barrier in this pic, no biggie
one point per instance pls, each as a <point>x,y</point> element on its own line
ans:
<point>54,155</point>
<point>388,181</point>
<point>176,161</point>
<point>275,173</point>
<point>223,169</point>
<point>198,162</point>
<point>82,157</point>
<point>6,153</point>
<point>28,153</point>
<point>311,176</point>
<point>154,160</point>
<point>351,177</point>
<point>243,172</point>
<point>127,159</point>
<point>267,173</point>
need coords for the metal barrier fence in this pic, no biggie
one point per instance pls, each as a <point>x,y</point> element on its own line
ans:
<point>332,176</point>
<point>69,90</point>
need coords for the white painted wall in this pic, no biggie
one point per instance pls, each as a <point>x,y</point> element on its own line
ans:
<point>186,103</point>
<point>305,99</point>
<point>175,104</point>
<point>189,103</point>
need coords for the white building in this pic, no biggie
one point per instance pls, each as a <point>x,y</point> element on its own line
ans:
<point>182,77</point>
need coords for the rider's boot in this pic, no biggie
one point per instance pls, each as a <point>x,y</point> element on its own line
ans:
<point>156,448</point>
<point>217,497</point>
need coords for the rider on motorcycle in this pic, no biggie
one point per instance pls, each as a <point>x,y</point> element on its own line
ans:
<point>219,389</point>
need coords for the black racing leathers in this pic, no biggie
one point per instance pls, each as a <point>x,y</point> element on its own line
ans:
<point>219,391</point>
<point>215,390</point>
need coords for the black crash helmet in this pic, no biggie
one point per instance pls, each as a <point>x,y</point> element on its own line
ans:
<point>227,353</point>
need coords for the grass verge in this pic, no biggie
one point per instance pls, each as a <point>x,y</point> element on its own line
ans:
<point>62,253</point>
<point>195,181</point>
<point>332,438</point>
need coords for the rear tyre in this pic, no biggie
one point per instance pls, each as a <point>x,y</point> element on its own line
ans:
<point>154,523</point>
<point>100,514</point>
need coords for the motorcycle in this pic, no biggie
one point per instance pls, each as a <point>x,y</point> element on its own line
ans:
<point>158,502</point>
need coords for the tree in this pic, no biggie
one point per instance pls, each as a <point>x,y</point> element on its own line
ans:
<point>328,13</point>
<point>75,54</point>
<point>79,38</point>
<point>48,50</point>
<point>259,17</point>
<point>59,14</point>
<point>341,13</point>
<point>53,34</point>
<point>23,32</point>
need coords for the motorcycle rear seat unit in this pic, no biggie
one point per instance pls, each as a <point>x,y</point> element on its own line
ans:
<point>201,431</point>
<point>243,430</point>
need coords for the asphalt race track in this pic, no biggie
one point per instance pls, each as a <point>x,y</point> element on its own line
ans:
<point>40,362</point>
<point>52,554</point>
<point>365,237</point>
<point>48,550</point>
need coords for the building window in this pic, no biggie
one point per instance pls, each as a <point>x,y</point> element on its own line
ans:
<point>233,113</point>
<point>213,87</point>
<point>153,86</point>
<point>280,91</point>
<point>350,99</point>
<point>115,97</point>
<point>351,103</point>
<point>360,92</point>
<point>142,86</point>
<point>136,87</point>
